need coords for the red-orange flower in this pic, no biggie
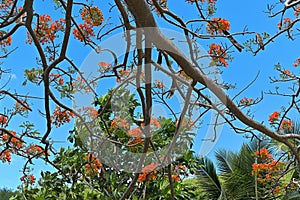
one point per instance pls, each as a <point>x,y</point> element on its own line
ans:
<point>113,124</point>
<point>135,132</point>
<point>285,24</point>
<point>35,149</point>
<point>286,124</point>
<point>91,112</point>
<point>46,30</point>
<point>297,11</point>
<point>155,122</point>
<point>182,167</point>
<point>142,177</point>
<point>85,33</point>
<point>217,25</point>
<point>28,179</point>
<point>149,168</point>
<point>13,139</point>
<point>148,172</point>
<point>218,54</point>
<point>296,63</point>
<point>60,116</point>
<point>175,177</point>
<point>3,119</point>
<point>5,42</point>
<point>92,15</point>
<point>19,107</point>
<point>266,169</point>
<point>263,153</point>
<point>5,156</point>
<point>274,117</point>
<point>93,167</point>
<point>246,101</point>
<point>61,81</point>
<point>118,122</point>
<point>159,84</point>
<point>287,72</point>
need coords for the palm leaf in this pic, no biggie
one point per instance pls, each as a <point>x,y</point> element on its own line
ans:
<point>208,179</point>
<point>224,159</point>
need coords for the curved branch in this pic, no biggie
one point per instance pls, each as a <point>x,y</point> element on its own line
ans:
<point>144,18</point>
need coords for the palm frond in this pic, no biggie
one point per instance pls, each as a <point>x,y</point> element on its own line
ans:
<point>224,159</point>
<point>209,180</point>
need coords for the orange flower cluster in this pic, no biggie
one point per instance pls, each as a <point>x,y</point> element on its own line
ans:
<point>246,101</point>
<point>20,108</point>
<point>105,66</point>
<point>93,167</point>
<point>114,124</point>
<point>217,25</point>
<point>133,143</point>
<point>135,132</point>
<point>33,75</point>
<point>85,34</point>
<point>297,63</point>
<point>155,122</point>
<point>91,16</point>
<point>175,177</point>
<point>13,140</point>
<point>34,149</point>
<point>30,179</point>
<point>286,23</point>
<point>218,54</point>
<point>148,173</point>
<point>159,84</point>
<point>6,42</point>
<point>53,77</point>
<point>263,154</point>
<point>268,170</point>
<point>81,85</point>
<point>3,119</point>
<point>287,72</point>
<point>187,123</point>
<point>274,117</point>
<point>61,81</point>
<point>124,73</point>
<point>90,111</point>
<point>117,122</point>
<point>182,167</point>
<point>297,12</point>
<point>60,117</point>
<point>286,124</point>
<point>5,156</point>
<point>46,30</point>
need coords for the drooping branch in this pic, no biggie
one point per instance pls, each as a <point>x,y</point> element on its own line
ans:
<point>144,18</point>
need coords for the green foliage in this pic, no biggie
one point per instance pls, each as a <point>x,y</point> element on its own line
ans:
<point>6,194</point>
<point>72,180</point>
<point>209,180</point>
<point>235,179</point>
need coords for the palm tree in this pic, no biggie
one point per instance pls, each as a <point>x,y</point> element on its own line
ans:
<point>234,179</point>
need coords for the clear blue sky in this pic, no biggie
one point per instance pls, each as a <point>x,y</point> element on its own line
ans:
<point>241,70</point>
